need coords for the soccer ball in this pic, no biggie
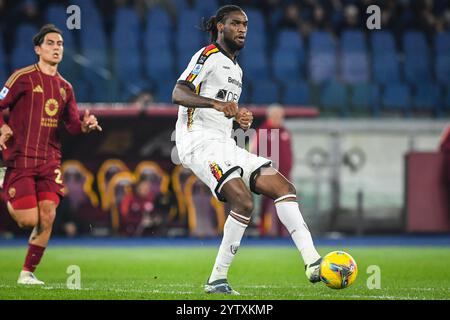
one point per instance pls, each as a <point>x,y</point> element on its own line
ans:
<point>338,270</point>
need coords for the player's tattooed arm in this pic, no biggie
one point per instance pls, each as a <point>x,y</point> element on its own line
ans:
<point>5,134</point>
<point>184,96</point>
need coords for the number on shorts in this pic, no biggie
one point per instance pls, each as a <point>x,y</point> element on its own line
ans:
<point>58,179</point>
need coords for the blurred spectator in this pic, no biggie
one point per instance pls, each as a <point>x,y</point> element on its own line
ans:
<point>291,18</point>
<point>351,17</point>
<point>274,127</point>
<point>320,20</point>
<point>143,99</point>
<point>138,214</point>
<point>30,12</point>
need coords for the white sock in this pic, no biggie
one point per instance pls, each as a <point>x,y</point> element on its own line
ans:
<point>232,234</point>
<point>290,215</point>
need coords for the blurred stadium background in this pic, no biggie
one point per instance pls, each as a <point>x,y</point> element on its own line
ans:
<point>366,110</point>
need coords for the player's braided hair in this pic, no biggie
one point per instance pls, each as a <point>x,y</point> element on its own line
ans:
<point>48,28</point>
<point>211,24</point>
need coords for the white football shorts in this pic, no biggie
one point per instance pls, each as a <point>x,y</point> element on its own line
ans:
<point>216,162</point>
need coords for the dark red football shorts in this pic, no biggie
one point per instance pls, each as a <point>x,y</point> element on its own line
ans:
<point>23,186</point>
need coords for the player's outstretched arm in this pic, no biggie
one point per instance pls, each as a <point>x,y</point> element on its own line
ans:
<point>89,123</point>
<point>184,96</point>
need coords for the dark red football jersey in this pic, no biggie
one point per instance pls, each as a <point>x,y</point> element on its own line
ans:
<point>38,103</point>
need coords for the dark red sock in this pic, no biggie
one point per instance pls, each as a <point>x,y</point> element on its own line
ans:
<point>33,257</point>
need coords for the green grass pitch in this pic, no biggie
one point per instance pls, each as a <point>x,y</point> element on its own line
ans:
<point>174,273</point>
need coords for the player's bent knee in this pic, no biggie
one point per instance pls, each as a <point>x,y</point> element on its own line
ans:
<point>244,206</point>
<point>287,189</point>
<point>291,189</point>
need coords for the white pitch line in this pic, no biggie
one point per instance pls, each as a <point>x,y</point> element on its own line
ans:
<point>267,294</point>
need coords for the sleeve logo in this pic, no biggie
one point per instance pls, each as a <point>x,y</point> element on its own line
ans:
<point>197,69</point>
<point>3,93</point>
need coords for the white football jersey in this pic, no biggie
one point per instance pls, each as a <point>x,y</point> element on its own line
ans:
<point>211,73</point>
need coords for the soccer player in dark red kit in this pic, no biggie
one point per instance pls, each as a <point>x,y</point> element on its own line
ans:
<point>39,99</point>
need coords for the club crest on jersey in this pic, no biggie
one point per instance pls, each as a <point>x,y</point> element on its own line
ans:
<point>51,107</point>
<point>63,93</point>
<point>216,170</point>
<point>198,67</point>
<point>3,93</point>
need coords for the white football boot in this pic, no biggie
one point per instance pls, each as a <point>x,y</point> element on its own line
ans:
<point>313,271</point>
<point>27,277</point>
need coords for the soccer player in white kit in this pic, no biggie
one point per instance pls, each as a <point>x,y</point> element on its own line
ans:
<point>208,93</point>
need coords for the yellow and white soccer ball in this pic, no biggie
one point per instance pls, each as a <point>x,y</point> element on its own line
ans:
<point>338,270</point>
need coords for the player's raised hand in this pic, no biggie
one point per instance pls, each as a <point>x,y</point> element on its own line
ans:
<point>5,134</point>
<point>228,108</point>
<point>89,123</point>
<point>245,118</point>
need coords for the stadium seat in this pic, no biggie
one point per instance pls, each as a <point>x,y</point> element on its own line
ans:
<point>385,68</point>
<point>158,20</point>
<point>79,181</point>
<point>442,69</point>
<point>417,68</point>
<point>119,186</point>
<point>353,41</point>
<point>296,93</point>
<point>365,97</point>
<point>256,35</point>
<point>290,40</point>
<point>287,65</point>
<point>322,57</point>
<point>127,58</point>
<point>152,172</point>
<point>3,73</point>
<point>255,65</point>
<point>427,97</point>
<point>179,177</point>
<point>397,97</point>
<point>354,59</point>
<point>334,97</point>
<point>207,8</point>
<point>23,53</point>
<point>447,98</point>
<point>264,92</point>
<point>414,42</point>
<point>164,91</point>
<point>382,42</point>
<point>442,43</point>
<point>104,174</point>
<point>206,215</point>
<point>289,57</point>
<point>159,65</point>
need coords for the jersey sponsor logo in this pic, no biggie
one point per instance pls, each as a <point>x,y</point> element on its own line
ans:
<point>198,67</point>
<point>227,95</point>
<point>226,67</point>
<point>222,94</point>
<point>3,93</point>
<point>235,82</point>
<point>38,89</point>
<point>51,107</point>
